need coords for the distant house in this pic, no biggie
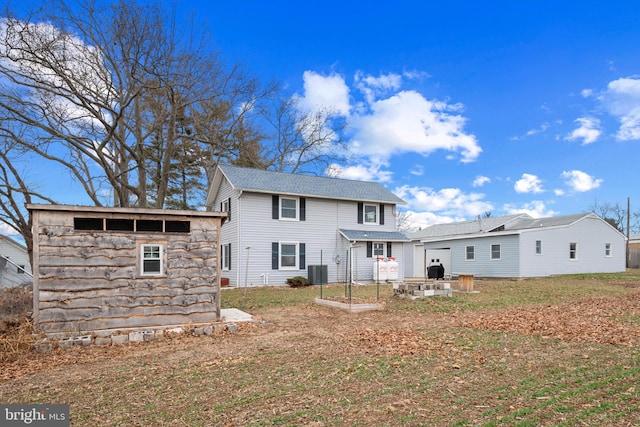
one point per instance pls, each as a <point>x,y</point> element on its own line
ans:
<point>520,246</point>
<point>120,268</point>
<point>15,269</point>
<point>283,225</point>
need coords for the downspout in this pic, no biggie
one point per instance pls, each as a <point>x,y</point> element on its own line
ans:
<point>239,239</point>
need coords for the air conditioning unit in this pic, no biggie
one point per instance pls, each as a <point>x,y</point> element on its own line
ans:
<point>317,274</point>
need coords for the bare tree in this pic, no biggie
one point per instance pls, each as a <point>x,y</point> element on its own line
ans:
<point>614,214</point>
<point>15,191</point>
<point>114,85</point>
<point>302,140</point>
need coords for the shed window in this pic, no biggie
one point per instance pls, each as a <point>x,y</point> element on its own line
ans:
<point>607,250</point>
<point>177,226</point>
<point>573,250</point>
<point>148,225</point>
<point>495,251</point>
<point>151,260</point>
<point>88,224</point>
<point>538,247</point>
<point>118,224</point>
<point>470,253</point>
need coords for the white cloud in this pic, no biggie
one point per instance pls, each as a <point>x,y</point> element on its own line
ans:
<point>542,128</point>
<point>373,87</point>
<point>481,180</point>
<point>580,181</point>
<point>589,130</point>
<point>528,184</point>
<point>417,170</point>
<point>536,209</point>
<point>330,92</point>
<point>451,203</point>
<point>586,93</point>
<point>408,122</point>
<point>391,121</point>
<point>558,192</point>
<point>622,99</point>
<point>361,172</point>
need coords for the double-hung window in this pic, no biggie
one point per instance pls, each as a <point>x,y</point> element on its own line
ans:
<point>370,214</point>
<point>538,247</point>
<point>151,259</point>
<point>573,250</point>
<point>495,251</point>
<point>470,253</point>
<point>288,256</point>
<point>607,250</point>
<point>378,249</point>
<point>289,208</point>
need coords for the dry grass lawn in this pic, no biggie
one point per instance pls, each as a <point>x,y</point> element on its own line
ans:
<point>544,352</point>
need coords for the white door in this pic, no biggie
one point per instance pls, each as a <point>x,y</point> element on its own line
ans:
<point>418,261</point>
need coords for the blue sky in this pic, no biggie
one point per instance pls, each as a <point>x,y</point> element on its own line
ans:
<point>460,108</point>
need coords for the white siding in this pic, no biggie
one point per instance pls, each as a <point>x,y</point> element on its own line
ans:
<point>17,254</point>
<point>590,235</point>
<point>252,226</point>
<point>483,265</point>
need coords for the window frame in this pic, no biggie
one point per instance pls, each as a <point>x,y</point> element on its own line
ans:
<point>573,251</point>
<point>538,247</point>
<point>296,255</point>
<point>288,209</point>
<point>378,247</point>
<point>375,212</point>
<point>225,257</point>
<point>491,252</point>
<point>608,250</point>
<point>473,253</point>
<point>159,258</point>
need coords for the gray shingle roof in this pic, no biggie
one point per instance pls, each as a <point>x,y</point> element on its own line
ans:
<point>385,236</point>
<point>507,223</point>
<point>481,225</point>
<point>528,223</point>
<point>263,181</point>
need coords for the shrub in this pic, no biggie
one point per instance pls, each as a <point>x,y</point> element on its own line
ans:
<point>298,282</point>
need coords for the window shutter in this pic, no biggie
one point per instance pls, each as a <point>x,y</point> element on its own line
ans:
<point>303,209</point>
<point>369,249</point>
<point>360,212</point>
<point>381,214</point>
<point>229,211</point>
<point>229,252</point>
<point>275,206</point>
<point>274,256</point>
<point>303,256</point>
<point>389,245</point>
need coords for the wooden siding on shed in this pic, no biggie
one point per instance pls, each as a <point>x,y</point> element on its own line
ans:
<point>90,280</point>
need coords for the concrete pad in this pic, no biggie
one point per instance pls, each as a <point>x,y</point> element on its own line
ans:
<point>234,315</point>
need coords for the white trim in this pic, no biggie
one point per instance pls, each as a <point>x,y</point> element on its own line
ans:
<point>296,209</point>
<point>364,214</point>
<point>466,253</point>
<point>491,251</point>
<point>160,259</point>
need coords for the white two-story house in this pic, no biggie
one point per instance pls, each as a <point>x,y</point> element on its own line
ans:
<point>280,224</point>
